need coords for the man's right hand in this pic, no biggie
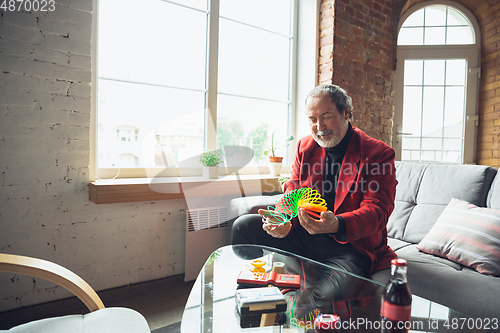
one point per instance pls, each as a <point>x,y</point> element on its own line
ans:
<point>275,230</point>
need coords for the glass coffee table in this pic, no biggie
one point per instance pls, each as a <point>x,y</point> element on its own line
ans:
<point>211,306</point>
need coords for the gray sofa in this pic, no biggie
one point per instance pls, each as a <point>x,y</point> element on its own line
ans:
<point>423,192</point>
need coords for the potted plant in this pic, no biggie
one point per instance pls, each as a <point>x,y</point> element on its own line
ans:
<point>275,162</point>
<point>210,160</point>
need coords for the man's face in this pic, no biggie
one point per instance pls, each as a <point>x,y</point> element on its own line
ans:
<point>328,126</point>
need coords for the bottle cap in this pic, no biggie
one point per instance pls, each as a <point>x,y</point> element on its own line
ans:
<point>398,262</point>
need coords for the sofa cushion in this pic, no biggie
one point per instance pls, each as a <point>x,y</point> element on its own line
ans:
<point>398,220</point>
<point>469,183</point>
<point>466,234</point>
<point>396,244</point>
<point>450,284</point>
<point>424,190</point>
<point>493,200</point>
<point>421,221</point>
<point>409,176</point>
<point>411,253</point>
<point>108,320</point>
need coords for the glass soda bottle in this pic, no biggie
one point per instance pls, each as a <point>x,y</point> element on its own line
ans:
<point>396,300</point>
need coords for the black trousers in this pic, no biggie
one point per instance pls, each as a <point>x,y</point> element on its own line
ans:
<point>324,285</point>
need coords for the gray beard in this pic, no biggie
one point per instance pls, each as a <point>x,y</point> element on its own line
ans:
<point>326,144</point>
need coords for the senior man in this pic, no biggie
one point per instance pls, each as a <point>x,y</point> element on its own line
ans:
<point>355,175</point>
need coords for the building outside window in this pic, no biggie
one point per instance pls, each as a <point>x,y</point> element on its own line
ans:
<point>127,133</point>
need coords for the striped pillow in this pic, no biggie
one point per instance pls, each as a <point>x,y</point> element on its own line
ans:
<point>466,234</point>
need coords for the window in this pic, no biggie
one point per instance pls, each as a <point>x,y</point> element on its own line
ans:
<point>171,72</point>
<point>437,69</point>
<point>436,25</point>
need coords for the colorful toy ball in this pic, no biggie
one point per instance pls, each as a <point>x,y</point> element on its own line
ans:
<point>288,206</point>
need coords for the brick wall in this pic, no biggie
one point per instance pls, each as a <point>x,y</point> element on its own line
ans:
<point>326,27</point>
<point>45,77</point>
<point>488,17</point>
<point>361,36</point>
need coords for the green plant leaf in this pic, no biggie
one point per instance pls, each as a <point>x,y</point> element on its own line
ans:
<point>211,158</point>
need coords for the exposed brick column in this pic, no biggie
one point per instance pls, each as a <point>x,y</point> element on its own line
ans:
<point>326,52</point>
<point>363,59</point>
<point>488,16</point>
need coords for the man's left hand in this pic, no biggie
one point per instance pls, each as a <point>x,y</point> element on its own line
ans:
<point>327,224</point>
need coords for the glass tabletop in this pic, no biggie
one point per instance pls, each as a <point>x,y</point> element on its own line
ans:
<point>211,306</point>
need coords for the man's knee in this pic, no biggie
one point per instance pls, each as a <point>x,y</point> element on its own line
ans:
<point>238,230</point>
<point>328,288</point>
<point>242,230</point>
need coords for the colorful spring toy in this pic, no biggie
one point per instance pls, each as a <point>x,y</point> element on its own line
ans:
<point>288,206</point>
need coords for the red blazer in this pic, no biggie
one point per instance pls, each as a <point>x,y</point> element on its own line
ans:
<point>365,194</point>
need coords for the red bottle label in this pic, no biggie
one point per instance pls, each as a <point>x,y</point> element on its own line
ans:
<point>396,312</point>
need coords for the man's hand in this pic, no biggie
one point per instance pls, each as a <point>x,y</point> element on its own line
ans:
<point>275,230</point>
<point>327,224</point>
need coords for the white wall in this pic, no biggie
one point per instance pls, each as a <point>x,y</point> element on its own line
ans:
<point>45,75</point>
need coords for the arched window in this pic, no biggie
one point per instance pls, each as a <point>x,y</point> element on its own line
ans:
<point>436,25</point>
<point>436,84</point>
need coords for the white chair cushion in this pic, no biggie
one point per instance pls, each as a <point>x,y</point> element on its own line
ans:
<point>108,320</point>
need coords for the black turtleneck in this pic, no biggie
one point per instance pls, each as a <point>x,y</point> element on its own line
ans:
<point>333,162</point>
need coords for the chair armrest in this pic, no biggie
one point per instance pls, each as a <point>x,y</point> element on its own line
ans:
<point>52,272</point>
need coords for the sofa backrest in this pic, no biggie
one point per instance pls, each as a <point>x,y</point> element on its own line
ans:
<point>424,190</point>
<point>493,199</point>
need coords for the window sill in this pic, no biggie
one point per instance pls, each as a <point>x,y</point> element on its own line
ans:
<point>168,188</point>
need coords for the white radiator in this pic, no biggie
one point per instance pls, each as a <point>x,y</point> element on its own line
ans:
<point>207,229</point>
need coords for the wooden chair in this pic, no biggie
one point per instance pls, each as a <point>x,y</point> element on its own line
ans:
<point>52,272</point>
<point>104,321</point>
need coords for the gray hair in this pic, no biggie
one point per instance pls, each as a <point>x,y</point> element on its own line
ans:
<point>337,94</point>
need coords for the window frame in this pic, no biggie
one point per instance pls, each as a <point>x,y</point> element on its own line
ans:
<point>471,52</point>
<point>298,73</point>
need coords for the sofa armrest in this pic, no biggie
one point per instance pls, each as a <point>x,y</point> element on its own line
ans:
<point>52,272</point>
<point>251,204</point>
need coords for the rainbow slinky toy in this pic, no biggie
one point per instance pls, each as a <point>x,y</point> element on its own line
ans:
<point>288,206</point>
